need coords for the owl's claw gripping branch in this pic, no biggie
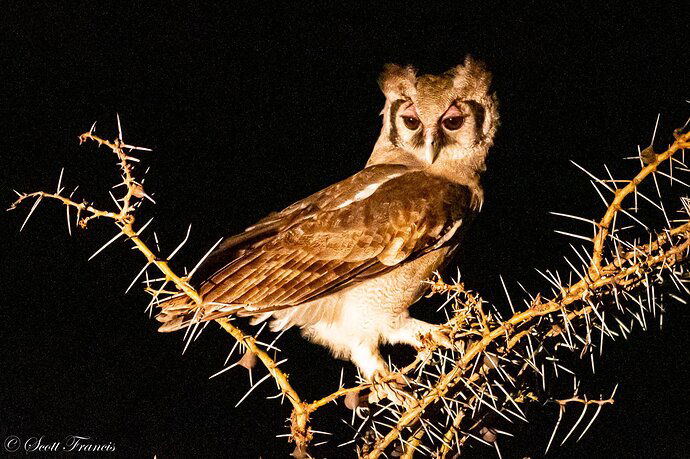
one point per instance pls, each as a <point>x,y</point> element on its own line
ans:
<point>626,270</point>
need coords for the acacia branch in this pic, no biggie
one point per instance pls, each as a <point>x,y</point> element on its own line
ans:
<point>124,220</point>
<point>485,342</point>
<point>596,278</point>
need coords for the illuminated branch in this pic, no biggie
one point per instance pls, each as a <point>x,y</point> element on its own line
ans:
<point>124,220</point>
<point>456,393</point>
<point>597,277</point>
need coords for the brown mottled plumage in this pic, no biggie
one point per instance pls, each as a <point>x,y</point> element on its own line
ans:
<point>346,263</point>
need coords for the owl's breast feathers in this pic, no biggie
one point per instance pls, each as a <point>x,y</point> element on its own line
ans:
<point>363,226</point>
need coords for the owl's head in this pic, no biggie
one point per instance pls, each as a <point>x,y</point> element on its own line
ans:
<point>449,118</point>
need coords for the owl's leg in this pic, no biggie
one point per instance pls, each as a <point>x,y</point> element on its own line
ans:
<point>419,334</point>
<point>368,359</point>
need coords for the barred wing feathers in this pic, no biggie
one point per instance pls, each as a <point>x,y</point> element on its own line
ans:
<point>365,225</point>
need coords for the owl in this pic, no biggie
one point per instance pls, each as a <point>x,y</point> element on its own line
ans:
<point>345,264</point>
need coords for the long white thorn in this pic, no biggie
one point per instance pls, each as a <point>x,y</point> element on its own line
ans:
<point>655,127</point>
<point>191,331</point>
<point>584,410</point>
<point>574,217</point>
<point>573,267</point>
<point>181,243</point>
<point>137,277</point>
<point>522,415</point>
<point>224,370</point>
<point>553,434</point>
<point>611,177</point>
<point>69,225</point>
<point>118,235</point>
<point>119,127</point>
<point>132,147</point>
<point>276,339</point>
<point>155,237</point>
<point>191,273</point>
<point>60,181</point>
<point>596,413</point>
<point>141,230</point>
<point>636,219</point>
<point>554,282</point>
<point>252,388</point>
<point>603,199</point>
<point>498,451</point>
<point>595,178</point>
<point>119,207</point>
<point>673,179</point>
<point>38,200</point>
<point>577,236</point>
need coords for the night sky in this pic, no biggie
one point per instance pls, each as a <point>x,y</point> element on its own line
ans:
<point>248,111</point>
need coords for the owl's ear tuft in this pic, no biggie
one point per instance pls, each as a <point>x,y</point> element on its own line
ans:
<point>473,79</point>
<point>397,81</point>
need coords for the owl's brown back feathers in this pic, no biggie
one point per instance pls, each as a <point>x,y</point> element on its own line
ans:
<point>365,225</point>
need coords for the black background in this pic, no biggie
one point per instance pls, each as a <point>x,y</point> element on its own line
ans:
<point>250,110</point>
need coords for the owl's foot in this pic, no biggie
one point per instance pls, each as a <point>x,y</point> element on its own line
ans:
<point>391,386</point>
<point>437,336</point>
<point>422,335</point>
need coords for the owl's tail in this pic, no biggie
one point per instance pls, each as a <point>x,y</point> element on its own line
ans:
<point>178,313</point>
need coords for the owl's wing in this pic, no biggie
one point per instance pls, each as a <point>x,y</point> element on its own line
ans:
<point>338,195</point>
<point>353,230</point>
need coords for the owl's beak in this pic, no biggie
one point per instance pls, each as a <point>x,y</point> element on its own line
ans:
<point>430,145</point>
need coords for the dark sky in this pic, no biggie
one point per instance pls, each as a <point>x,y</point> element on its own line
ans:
<point>250,110</point>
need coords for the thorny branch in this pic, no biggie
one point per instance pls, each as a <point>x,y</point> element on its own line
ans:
<point>584,401</point>
<point>124,220</point>
<point>462,394</point>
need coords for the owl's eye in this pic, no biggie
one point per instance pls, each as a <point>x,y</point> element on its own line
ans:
<point>453,123</point>
<point>411,123</point>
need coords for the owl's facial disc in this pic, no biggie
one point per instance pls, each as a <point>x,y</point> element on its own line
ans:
<point>439,126</point>
<point>444,120</point>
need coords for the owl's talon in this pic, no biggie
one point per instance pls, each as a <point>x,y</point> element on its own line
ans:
<point>438,336</point>
<point>390,386</point>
